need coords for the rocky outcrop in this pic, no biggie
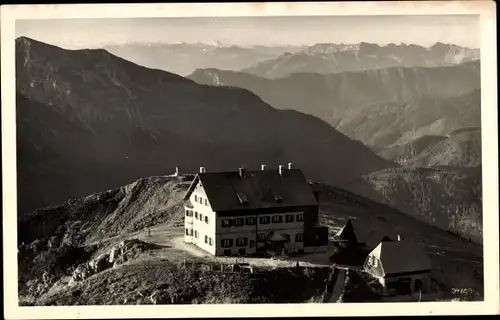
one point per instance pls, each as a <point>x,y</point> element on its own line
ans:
<point>118,254</point>
<point>144,203</point>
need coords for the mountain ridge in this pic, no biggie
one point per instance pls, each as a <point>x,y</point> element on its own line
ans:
<point>183,58</point>
<point>330,97</point>
<point>149,121</point>
<point>460,148</point>
<point>327,58</point>
<point>390,123</point>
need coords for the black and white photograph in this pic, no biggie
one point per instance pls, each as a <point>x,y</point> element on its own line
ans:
<point>311,158</point>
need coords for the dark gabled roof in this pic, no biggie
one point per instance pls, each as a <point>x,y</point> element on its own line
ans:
<point>401,257</point>
<point>362,231</point>
<point>347,232</point>
<point>255,190</point>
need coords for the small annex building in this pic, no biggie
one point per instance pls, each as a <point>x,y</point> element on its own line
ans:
<point>401,267</point>
<point>244,212</point>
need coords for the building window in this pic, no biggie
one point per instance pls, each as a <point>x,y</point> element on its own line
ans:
<point>210,241</point>
<point>391,286</point>
<point>190,232</point>
<point>277,219</point>
<point>287,237</point>
<point>196,234</point>
<point>300,217</point>
<point>195,198</point>
<point>241,242</point>
<point>264,220</point>
<point>227,243</point>
<point>299,237</point>
<point>239,222</point>
<point>206,202</point>
<point>201,217</point>
<point>289,218</point>
<point>251,243</point>
<point>261,237</point>
<point>187,232</point>
<point>196,214</point>
<point>226,223</point>
<point>227,252</point>
<point>206,239</point>
<point>241,252</point>
<point>250,221</point>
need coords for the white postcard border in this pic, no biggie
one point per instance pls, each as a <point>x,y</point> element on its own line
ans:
<point>486,10</point>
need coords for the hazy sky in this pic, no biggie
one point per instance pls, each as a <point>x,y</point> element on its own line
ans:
<point>423,30</point>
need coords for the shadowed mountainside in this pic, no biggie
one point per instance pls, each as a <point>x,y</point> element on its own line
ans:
<point>327,58</point>
<point>90,121</point>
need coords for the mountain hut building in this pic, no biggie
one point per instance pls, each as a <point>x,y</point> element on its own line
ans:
<point>247,212</point>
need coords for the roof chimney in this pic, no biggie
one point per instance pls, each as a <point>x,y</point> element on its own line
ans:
<point>241,171</point>
<point>262,167</point>
<point>290,165</point>
<point>280,169</point>
<point>202,170</point>
<point>176,171</point>
<point>399,237</point>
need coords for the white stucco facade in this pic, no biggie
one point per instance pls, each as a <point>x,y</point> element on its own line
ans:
<point>201,232</point>
<point>238,234</point>
<point>416,281</point>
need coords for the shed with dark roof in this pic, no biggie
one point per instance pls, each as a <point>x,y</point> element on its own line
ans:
<point>364,233</point>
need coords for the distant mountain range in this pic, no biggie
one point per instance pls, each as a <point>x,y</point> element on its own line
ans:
<point>88,121</point>
<point>369,105</point>
<point>184,58</point>
<point>327,58</point>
